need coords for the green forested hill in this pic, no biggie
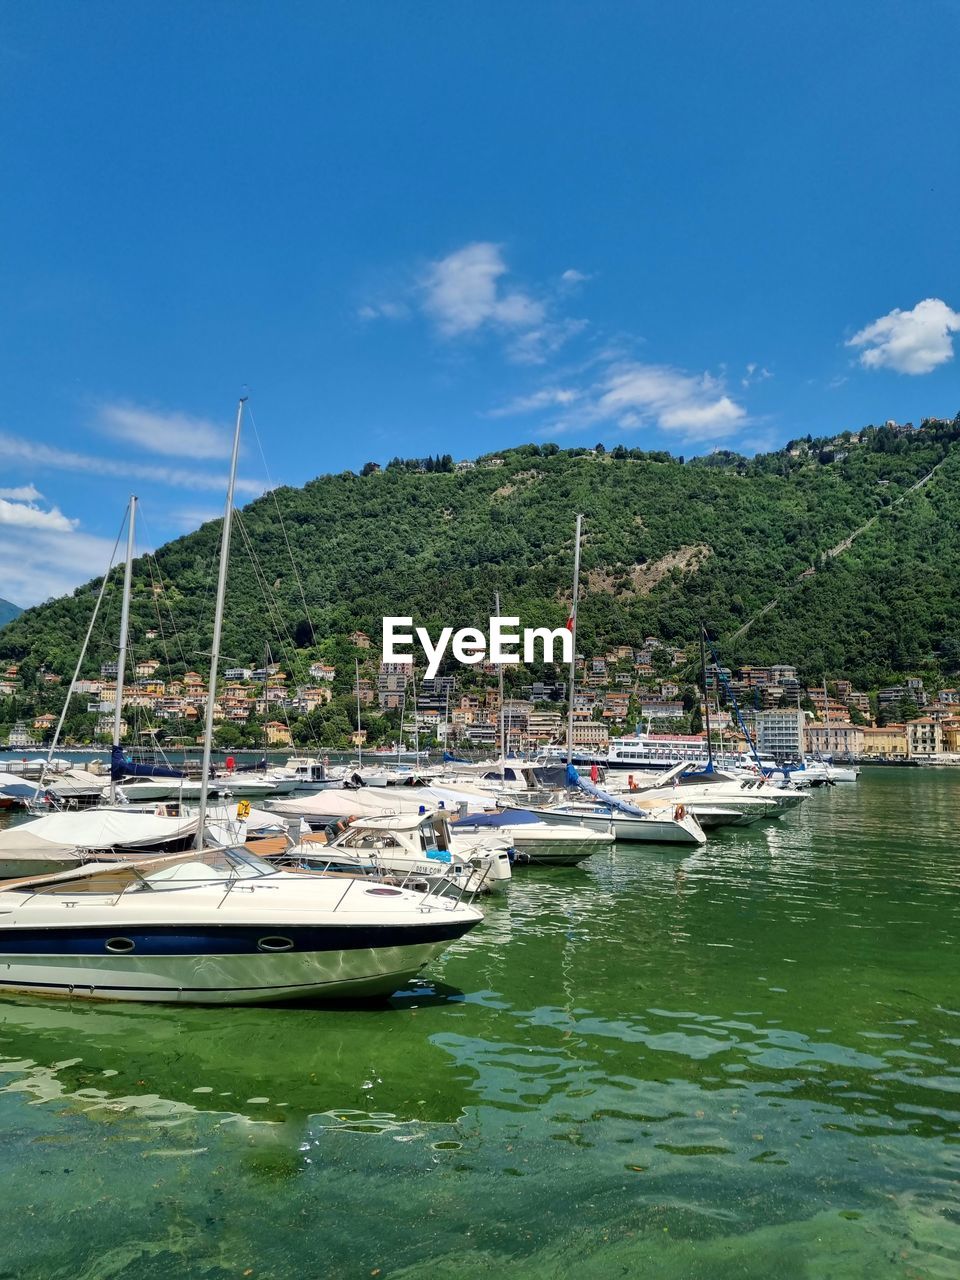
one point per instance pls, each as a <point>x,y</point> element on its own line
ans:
<point>666,543</point>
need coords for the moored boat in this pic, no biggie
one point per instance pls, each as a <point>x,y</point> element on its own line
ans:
<point>220,928</point>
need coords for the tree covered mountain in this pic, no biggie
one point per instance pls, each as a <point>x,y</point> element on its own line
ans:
<point>667,542</point>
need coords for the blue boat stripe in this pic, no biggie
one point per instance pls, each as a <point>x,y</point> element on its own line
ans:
<point>223,940</point>
<point>400,974</point>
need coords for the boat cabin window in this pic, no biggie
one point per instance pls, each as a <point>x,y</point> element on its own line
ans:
<point>213,864</point>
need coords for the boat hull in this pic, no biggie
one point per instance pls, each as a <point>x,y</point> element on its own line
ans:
<point>629,829</point>
<point>181,969</point>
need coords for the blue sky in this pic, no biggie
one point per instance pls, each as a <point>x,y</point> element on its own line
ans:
<point>421,228</point>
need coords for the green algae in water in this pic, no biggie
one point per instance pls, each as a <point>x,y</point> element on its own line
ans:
<point>603,1080</point>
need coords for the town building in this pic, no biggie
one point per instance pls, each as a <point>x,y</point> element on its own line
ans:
<point>885,742</point>
<point>544,726</point>
<point>924,737</point>
<point>661,709</point>
<point>780,732</point>
<point>834,738</point>
<point>542,691</point>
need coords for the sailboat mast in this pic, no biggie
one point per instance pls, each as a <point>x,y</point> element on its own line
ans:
<point>706,696</point>
<point>124,629</point>
<point>218,626</point>
<point>416,718</point>
<point>572,624</point>
<point>356,664</point>
<point>502,719</point>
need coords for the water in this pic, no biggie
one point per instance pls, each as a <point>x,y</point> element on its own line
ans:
<point>740,1062</point>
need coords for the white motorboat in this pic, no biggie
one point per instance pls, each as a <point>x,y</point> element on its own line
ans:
<point>408,843</point>
<point>224,927</point>
<point>668,825</point>
<point>717,798</point>
<point>412,846</point>
<point>531,839</point>
<point>143,790</point>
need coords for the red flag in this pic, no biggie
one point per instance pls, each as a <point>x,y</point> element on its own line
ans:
<point>569,622</point>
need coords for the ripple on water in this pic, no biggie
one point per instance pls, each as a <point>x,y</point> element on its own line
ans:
<point>743,1060</point>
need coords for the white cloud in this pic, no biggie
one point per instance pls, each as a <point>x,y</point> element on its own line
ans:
<point>383,311</point>
<point>17,449</point>
<point>535,346</point>
<point>25,493</point>
<point>695,405</point>
<point>43,562</point>
<point>175,435</point>
<point>462,293</point>
<point>914,341</point>
<point>548,398</point>
<point>754,373</point>
<point>27,515</point>
<point>465,294</point>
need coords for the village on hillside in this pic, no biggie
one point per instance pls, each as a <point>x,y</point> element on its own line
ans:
<point>650,688</point>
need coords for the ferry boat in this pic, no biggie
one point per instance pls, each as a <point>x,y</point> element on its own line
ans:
<point>660,752</point>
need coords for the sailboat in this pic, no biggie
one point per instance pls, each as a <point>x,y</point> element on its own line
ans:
<point>57,841</point>
<point>600,810</point>
<point>217,926</point>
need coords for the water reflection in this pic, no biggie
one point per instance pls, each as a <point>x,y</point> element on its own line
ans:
<point>731,1061</point>
<point>265,1064</point>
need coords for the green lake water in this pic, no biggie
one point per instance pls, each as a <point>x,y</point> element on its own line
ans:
<point>738,1062</point>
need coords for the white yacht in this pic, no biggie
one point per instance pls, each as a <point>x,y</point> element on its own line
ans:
<point>413,846</point>
<point>532,840</point>
<point>223,927</point>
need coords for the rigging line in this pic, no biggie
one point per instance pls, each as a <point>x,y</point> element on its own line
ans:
<point>83,652</point>
<point>203,606</point>
<point>179,722</point>
<point>269,595</point>
<point>284,634</point>
<point>151,565</point>
<point>283,527</point>
<point>287,643</point>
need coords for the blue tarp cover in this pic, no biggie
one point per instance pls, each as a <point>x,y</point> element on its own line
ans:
<point>574,780</point>
<point>506,818</point>
<point>121,767</point>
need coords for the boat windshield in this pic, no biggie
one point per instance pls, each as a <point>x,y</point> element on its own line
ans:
<point>212,864</point>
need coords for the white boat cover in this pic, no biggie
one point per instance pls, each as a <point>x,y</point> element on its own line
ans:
<point>95,829</point>
<point>376,800</point>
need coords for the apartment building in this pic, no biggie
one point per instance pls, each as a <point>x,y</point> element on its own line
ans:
<point>780,732</point>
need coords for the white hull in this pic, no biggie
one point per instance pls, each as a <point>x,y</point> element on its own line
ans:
<point>197,933</point>
<point>213,979</point>
<point>626,827</point>
<point>247,788</point>
<point>558,853</point>
<point>162,789</point>
<point>539,843</point>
